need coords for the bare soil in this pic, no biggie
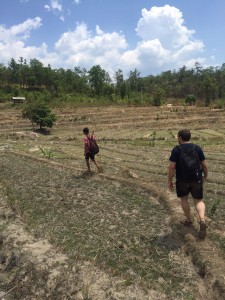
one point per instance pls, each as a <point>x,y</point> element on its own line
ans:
<point>67,234</point>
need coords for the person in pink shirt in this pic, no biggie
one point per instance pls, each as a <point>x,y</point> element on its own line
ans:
<point>88,154</point>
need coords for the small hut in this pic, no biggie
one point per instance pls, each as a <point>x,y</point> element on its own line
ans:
<point>18,100</point>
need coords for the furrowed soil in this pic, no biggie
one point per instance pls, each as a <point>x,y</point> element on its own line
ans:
<point>114,234</point>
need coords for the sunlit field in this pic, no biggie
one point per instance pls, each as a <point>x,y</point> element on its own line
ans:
<point>114,234</point>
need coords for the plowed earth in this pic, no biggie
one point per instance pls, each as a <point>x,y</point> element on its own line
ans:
<point>68,234</point>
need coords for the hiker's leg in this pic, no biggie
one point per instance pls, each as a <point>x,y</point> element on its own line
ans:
<point>200,208</point>
<point>97,166</point>
<point>92,157</point>
<point>186,207</point>
<point>87,157</point>
<point>88,165</point>
<point>197,194</point>
<point>182,189</point>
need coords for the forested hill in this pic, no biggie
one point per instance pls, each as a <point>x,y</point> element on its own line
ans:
<point>33,79</point>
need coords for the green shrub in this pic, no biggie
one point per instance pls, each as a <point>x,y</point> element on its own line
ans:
<point>39,113</point>
<point>190,99</point>
<point>219,103</point>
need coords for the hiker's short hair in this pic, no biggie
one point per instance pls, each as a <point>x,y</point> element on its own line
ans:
<point>86,130</point>
<point>185,134</point>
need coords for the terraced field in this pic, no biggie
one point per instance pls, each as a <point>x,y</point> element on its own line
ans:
<point>116,234</point>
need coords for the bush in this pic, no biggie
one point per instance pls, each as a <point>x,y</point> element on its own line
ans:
<point>219,103</point>
<point>40,114</point>
<point>190,99</point>
<point>158,96</point>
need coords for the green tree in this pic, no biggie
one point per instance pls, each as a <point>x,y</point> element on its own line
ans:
<point>134,80</point>
<point>97,78</point>
<point>40,114</point>
<point>80,80</point>
<point>48,75</point>
<point>24,72</point>
<point>190,99</point>
<point>14,71</point>
<point>208,86</point>
<point>37,73</point>
<point>120,84</point>
<point>3,71</point>
<point>220,81</point>
<point>158,96</point>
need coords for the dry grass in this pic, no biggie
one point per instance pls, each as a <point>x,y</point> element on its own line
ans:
<point>123,228</point>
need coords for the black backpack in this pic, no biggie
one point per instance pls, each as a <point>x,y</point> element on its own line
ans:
<point>94,148</point>
<point>189,165</point>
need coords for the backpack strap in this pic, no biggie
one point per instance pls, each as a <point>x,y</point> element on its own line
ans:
<point>89,142</point>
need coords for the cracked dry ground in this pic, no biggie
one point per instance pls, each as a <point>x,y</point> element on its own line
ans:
<point>114,235</point>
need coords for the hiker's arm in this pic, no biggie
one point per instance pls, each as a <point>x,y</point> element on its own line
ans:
<point>86,148</point>
<point>204,169</point>
<point>172,168</point>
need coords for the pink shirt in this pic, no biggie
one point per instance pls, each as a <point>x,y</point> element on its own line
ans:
<point>87,142</point>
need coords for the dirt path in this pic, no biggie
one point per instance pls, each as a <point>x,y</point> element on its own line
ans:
<point>205,256</point>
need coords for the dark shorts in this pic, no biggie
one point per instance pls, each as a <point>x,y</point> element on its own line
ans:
<point>89,155</point>
<point>194,188</point>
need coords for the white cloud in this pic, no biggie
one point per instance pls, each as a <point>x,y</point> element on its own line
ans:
<point>165,43</point>
<point>147,57</point>
<point>77,1</point>
<point>166,24</point>
<point>18,49</point>
<point>20,31</point>
<point>12,41</point>
<point>47,7</point>
<point>55,5</point>
<point>25,28</point>
<point>56,8</point>
<point>85,48</point>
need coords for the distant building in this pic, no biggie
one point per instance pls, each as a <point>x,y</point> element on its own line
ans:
<point>169,105</point>
<point>18,100</point>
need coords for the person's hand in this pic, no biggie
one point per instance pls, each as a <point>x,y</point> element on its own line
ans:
<point>170,185</point>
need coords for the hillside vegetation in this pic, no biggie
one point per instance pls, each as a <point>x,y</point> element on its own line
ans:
<point>79,86</point>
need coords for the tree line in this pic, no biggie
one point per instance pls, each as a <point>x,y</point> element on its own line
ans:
<point>34,80</point>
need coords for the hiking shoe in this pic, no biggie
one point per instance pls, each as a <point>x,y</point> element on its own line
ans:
<point>202,230</point>
<point>185,222</point>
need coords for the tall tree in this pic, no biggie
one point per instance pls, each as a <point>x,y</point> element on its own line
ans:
<point>208,86</point>
<point>80,83</point>
<point>14,71</point>
<point>97,78</point>
<point>37,72</point>
<point>134,80</point>
<point>3,72</point>
<point>120,84</point>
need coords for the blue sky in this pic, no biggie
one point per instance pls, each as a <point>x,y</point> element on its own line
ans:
<point>152,36</point>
